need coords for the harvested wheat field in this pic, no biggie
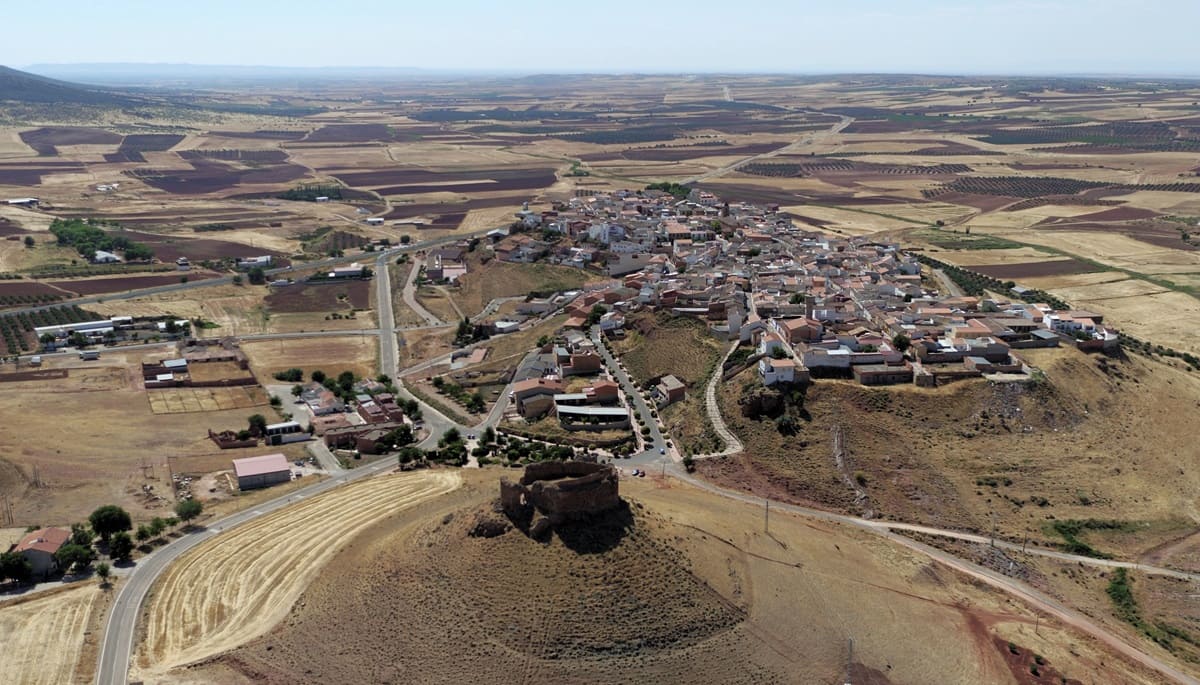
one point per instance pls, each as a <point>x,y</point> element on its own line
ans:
<point>238,586</point>
<point>682,586</point>
<point>43,636</point>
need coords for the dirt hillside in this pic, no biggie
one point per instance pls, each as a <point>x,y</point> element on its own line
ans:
<point>683,588</point>
<point>1100,438</point>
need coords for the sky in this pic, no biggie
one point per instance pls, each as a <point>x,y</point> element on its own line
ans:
<point>1137,37</point>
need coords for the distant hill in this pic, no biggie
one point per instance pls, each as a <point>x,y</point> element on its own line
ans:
<point>23,87</point>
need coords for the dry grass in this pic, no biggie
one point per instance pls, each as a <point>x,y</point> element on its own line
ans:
<point>483,283</point>
<point>957,455</point>
<point>238,586</point>
<point>116,445</point>
<point>44,636</point>
<point>693,591</point>
<point>357,353</point>
<point>676,345</point>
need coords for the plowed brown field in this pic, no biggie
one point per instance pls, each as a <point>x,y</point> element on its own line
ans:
<point>236,587</point>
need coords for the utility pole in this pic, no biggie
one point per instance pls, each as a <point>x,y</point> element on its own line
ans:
<point>766,515</point>
<point>993,543</point>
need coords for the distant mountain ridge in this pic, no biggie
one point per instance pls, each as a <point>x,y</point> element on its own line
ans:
<point>24,87</point>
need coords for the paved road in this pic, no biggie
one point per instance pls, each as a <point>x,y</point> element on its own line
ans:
<point>117,646</point>
<point>650,456</point>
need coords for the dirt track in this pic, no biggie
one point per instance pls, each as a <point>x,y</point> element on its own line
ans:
<point>237,587</point>
<point>43,637</point>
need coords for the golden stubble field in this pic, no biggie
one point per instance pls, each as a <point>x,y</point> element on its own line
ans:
<point>693,591</point>
<point>238,586</point>
<point>44,635</point>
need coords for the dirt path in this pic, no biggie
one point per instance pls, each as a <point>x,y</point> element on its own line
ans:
<point>43,637</point>
<point>238,586</point>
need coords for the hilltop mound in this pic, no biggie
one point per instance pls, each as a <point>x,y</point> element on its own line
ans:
<point>23,87</point>
<point>692,591</point>
<point>504,607</point>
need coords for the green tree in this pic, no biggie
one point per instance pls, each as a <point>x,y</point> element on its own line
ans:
<point>297,390</point>
<point>258,424</point>
<point>901,342</point>
<point>121,546</point>
<point>257,275</point>
<point>14,566</point>
<point>489,435</point>
<point>188,509</point>
<point>143,533</point>
<point>597,312</point>
<point>109,519</point>
<point>317,376</point>
<point>450,437</point>
<point>476,403</point>
<point>157,526</point>
<point>345,380</point>
<point>29,241</point>
<point>237,279</point>
<point>74,557</point>
<point>103,572</point>
<point>80,535</point>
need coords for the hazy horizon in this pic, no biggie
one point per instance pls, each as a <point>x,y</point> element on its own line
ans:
<point>952,37</point>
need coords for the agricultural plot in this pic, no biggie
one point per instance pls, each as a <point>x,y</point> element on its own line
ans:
<point>191,400</point>
<point>47,139</point>
<point>233,588</point>
<point>31,174</point>
<point>208,175</point>
<point>43,636</point>
<point>134,145</point>
<point>320,297</point>
<point>103,285</point>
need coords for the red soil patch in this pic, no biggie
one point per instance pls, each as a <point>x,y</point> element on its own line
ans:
<point>413,181</point>
<point>1119,214</point>
<point>101,286</point>
<point>322,297</point>
<point>1019,270</point>
<point>679,153</point>
<point>986,203</point>
<point>407,211</point>
<point>45,140</point>
<point>135,144</point>
<point>168,248</point>
<point>23,287</point>
<point>31,175</point>
<point>365,133</point>
<point>261,135</point>
<point>1024,662</point>
<point>207,176</point>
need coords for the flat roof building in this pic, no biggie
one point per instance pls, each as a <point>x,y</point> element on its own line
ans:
<point>262,471</point>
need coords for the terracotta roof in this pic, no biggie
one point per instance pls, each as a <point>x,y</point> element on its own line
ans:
<point>46,540</point>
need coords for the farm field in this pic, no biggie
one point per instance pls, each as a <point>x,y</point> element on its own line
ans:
<point>357,353</point>
<point>692,590</point>
<point>233,589</point>
<point>185,400</point>
<point>44,635</point>
<point>76,476</point>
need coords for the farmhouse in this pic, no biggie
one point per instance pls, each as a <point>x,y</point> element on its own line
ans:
<point>103,257</point>
<point>39,548</point>
<point>670,389</point>
<point>261,472</point>
<point>23,201</point>
<point>535,396</point>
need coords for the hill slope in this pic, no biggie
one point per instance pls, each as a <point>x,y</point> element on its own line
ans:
<point>23,87</point>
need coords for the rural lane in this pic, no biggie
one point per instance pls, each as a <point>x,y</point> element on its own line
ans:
<point>409,294</point>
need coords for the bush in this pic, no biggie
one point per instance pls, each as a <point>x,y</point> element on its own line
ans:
<point>292,375</point>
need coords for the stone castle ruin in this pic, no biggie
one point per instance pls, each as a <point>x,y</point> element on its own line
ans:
<point>552,493</point>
